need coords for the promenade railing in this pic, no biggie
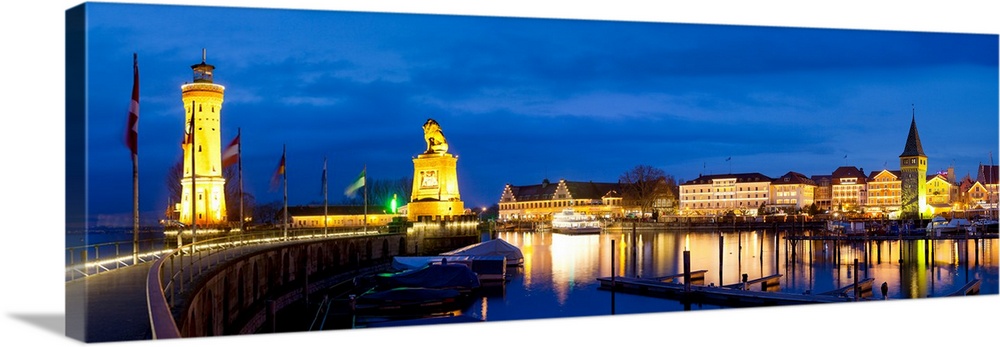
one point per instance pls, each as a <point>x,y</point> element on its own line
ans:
<point>97,258</point>
<point>92,259</point>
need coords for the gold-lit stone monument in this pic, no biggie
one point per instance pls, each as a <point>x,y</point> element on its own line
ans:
<point>435,181</point>
<point>203,105</point>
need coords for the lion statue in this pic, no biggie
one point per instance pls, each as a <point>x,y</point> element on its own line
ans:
<point>434,137</point>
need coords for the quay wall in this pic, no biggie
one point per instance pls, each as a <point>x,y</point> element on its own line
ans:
<point>241,296</point>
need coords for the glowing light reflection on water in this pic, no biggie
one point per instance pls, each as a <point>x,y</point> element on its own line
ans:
<point>559,276</point>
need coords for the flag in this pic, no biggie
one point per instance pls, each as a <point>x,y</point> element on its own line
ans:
<point>232,153</point>
<point>845,156</point>
<point>132,129</point>
<point>727,159</point>
<point>278,173</point>
<point>322,188</point>
<point>358,183</point>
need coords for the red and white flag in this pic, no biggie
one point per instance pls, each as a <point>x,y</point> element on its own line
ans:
<point>132,129</point>
<point>232,153</point>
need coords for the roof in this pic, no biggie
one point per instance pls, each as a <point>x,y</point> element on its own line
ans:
<point>897,173</point>
<point>987,174</point>
<point>822,180</point>
<point>848,171</point>
<point>740,178</point>
<point>913,147</point>
<point>793,177</point>
<point>577,190</point>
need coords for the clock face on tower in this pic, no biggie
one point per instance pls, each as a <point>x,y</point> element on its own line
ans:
<point>428,179</point>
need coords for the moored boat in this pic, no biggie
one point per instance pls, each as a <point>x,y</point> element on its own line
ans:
<point>408,301</point>
<point>574,223</point>
<point>435,276</point>
<point>492,247</point>
<point>939,225</point>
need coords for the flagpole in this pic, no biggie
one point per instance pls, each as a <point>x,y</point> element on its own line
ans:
<point>284,178</point>
<point>325,200</point>
<point>194,197</point>
<point>239,169</point>
<point>365,171</point>
<point>135,157</point>
<point>135,210</point>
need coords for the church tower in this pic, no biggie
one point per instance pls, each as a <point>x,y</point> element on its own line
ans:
<point>202,149</point>
<point>913,166</point>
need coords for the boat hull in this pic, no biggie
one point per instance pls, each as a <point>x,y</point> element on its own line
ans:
<point>577,231</point>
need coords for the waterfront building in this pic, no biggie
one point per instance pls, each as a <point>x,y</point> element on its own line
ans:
<point>883,193</point>
<point>823,195</point>
<point>435,179</point>
<point>963,199</point>
<point>538,202</point>
<point>987,177</point>
<point>939,194</point>
<point>202,150</point>
<point>848,189</point>
<point>792,192</point>
<point>742,194</point>
<point>312,216</point>
<point>913,167</point>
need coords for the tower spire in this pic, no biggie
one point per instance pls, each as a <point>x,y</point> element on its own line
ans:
<point>913,146</point>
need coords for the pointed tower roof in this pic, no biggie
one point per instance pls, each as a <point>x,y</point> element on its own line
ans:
<point>913,147</point>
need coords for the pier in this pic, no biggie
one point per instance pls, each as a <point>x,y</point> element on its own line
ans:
<point>722,296</point>
<point>241,284</point>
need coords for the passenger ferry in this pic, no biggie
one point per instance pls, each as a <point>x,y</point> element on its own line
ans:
<point>574,223</point>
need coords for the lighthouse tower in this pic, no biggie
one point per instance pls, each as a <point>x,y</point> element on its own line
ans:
<point>202,150</point>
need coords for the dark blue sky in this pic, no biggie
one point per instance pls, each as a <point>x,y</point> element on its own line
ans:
<point>523,99</point>
<point>34,112</point>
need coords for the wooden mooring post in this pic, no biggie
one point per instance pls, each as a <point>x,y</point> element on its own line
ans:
<point>721,257</point>
<point>612,277</point>
<point>687,271</point>
<point>857,289</point>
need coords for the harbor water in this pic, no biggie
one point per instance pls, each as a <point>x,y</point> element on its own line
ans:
<point>559,275</point>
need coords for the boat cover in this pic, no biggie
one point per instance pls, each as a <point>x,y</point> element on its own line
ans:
<point>404,294</point>
<point>415,262</point>
<point>492,247</point>
<point>432,276</point>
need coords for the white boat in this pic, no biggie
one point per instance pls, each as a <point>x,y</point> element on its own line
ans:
<point>574,223</point>
<point>939,225</point>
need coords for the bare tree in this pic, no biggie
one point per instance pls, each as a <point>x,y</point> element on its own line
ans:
<point>381,191</point>
<point>644,187</point>
<point>232,175</point>
<point>173,180</point>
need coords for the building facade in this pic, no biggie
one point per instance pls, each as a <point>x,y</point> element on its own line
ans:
<point>338,216</point>
<point>884,189</point>
<point>987,177</point>
<point>539,202</point>
<point>792,192</point>
<point>713,195</point>
<point>848,189</point>
<point>823,194</point>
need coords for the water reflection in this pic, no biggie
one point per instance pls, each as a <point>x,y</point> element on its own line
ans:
<point>559,276</point>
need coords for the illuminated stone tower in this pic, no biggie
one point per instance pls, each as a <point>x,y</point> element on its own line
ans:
<point>203,104</point>
<point>435,181</point>
<point>913,165</point>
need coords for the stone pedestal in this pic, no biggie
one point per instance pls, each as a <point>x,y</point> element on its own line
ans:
<point>435,188</point>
